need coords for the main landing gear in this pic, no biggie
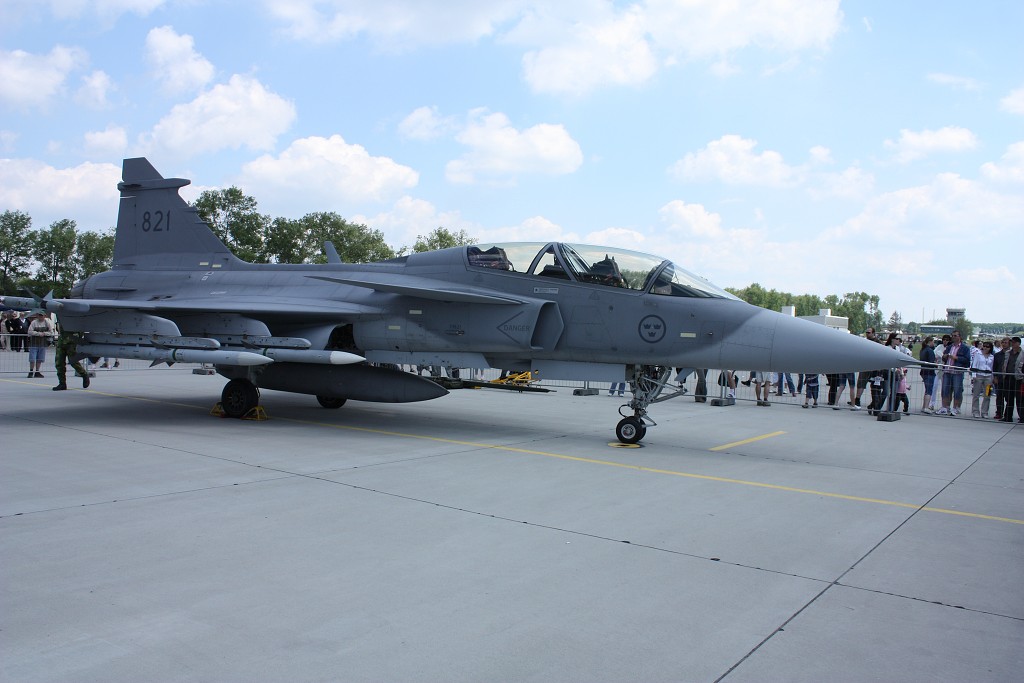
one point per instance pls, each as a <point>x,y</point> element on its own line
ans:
<point>239,397</point>
<point>647,383</point>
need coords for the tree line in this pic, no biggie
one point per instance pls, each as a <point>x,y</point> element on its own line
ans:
<point>861,308</point>
<point>56,257</point>
<point>52,258</point>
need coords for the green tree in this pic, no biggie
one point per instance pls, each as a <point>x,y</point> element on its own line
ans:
<point>54,250</point>
<point>895,322</point>
<point>94,253</point>
<point>805,304</point>
<point>288,241</point>
<point>808,304</point>
<point>441,238</point>
<point>965,327</point>
<point>15,249</point>
<point>302,240</point>
<point>859,307</point>
<point>355,242</point>
<point>236,220</point>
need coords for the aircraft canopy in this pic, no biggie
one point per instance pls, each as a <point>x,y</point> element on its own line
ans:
<point>606,266</point>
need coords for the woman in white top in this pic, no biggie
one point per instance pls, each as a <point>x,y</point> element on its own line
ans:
<point>981,378</point>
<point>937,393</point>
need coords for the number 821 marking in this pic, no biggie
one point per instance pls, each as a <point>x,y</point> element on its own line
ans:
<point>158,221</point>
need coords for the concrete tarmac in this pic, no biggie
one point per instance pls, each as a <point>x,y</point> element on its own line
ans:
<point>494,536</point>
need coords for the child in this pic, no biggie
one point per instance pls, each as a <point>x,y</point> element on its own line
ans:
<point>901,391</point>
<point>811,384</point>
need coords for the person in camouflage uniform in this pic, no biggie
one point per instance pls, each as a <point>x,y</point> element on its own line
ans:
<point>66,350</point>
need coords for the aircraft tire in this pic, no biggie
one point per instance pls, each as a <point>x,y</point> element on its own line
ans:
<point>630,430</point>
<point>239,397</point>
<point>331,402</point>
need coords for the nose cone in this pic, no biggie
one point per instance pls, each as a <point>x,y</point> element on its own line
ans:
<point>802,346</point>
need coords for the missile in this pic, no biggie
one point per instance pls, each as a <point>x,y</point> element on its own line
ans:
<point>218,357</point>
<point>319,357</point>
<point>46,304</point>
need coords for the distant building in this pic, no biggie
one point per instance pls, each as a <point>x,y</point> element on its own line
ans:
<point>953,315</point>
<point>936,330</point>
<point>824,317</point>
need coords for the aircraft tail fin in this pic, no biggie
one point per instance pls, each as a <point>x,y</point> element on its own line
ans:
<point>156,227</point>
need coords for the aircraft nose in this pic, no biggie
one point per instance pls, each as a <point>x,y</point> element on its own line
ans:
<point>802,346</point>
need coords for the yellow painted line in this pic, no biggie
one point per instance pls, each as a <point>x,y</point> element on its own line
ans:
<point>652,470</point>
<point>610,463</point>
<point>745,441</point>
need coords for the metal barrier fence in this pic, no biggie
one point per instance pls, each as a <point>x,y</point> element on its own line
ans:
<point>794,397</point>
<point>15,363</point>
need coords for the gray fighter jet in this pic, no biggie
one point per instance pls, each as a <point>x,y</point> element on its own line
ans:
<point>340,331</point>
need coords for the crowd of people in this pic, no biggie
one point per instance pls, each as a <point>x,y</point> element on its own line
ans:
<point>949,367</point>
<point>999,372</point>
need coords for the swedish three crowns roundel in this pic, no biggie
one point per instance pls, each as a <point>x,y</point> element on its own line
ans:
<point>652,329</point>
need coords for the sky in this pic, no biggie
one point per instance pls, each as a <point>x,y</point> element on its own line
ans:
<point>811,146</point>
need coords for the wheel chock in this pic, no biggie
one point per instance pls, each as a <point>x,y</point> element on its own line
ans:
<point>257,414</point>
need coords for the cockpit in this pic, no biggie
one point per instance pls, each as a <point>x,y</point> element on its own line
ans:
<point>605,266</point>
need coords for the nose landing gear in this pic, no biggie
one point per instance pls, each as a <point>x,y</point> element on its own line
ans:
<point>647,383</point>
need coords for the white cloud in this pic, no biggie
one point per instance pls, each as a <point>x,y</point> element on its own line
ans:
<point>711,29</point>
<point>175,62</point>
<point>821,155</point>
<point>393,24</point>
<point>732,160</point>
<point>957,82</point>
<point>567,54</point>
<point>914,145</point>
<point>32,81</point>
<point>691,219</point>
<point>711,248</point>
<point>326,172</point>
<point>532,229</point>
<point>1014,102</point>
<point>87,192</point>
<point>1011,170</point>
<point>611,53</point>
<point>240,113</point>
<point>499,152</point>
<point>94,90</point>
<point>852,183</point>
<point>943,214</point>
<point>426,123</point>
<point>1001,277</point>
<point>106,11</point>
<point>409,218</point>
<point>110,142</point>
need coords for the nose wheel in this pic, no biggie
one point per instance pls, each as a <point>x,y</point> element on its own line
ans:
<point>630,430</point>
